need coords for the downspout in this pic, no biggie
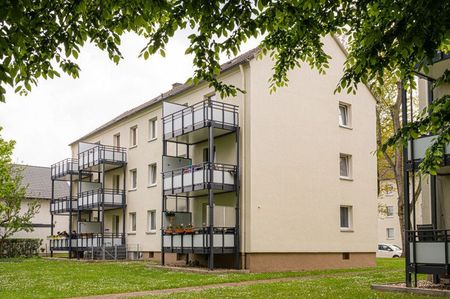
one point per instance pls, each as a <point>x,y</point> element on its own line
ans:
<point>243,184</point>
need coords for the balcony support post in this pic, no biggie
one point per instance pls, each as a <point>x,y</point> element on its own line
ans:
<point>124,204</point>
<point>70,217</point>
<point>211,195</point>
<point>51,215</point>
<point>163,261</point>
<point>406,193</point>
<point>103,205</point>
<point>238,204</point>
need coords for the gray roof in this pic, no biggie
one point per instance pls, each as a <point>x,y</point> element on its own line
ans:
<point>176,89</point>
<point>39,183</point>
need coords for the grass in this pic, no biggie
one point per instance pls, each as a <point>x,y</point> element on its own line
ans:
<point>42,278</point>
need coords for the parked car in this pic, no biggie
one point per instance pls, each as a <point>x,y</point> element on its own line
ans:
<point>389,250</point>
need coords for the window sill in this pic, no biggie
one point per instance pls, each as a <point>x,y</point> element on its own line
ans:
<point>152,232</point>
<point>344,178</point>
<point>153,139</point>
<point>133,146</point>
<point>346,127</point>
<point>152,186</point>
<point>346,230</point>
<point>131,233</point>
<point>131,190</point>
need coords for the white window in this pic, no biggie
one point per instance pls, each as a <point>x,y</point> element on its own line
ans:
<point>389,233</point>
<point>345,166</point>
<point>133,136</point>
<point>152,174</point>
<point>152,129</point>
<point>346,217</point>
<point>344,115</point>
<point>116,140</point>
<point>390,211</point>
<point>133,179</point>
<point>132,217</point>
<point>151,221</point>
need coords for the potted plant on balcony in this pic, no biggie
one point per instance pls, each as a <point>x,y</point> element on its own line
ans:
<point>179,229</point>
<point>189,229</point>
<point>168,230</point>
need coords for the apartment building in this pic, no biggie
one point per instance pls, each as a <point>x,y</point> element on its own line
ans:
<point>260,181</point>
<point>427,249</point>
<point>39,189</point>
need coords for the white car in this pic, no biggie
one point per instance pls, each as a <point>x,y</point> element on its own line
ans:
<point>389,250</point>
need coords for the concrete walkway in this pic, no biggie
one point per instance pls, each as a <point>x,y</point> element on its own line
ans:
<point>214,286</point>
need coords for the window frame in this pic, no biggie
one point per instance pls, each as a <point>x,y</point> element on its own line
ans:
<point>153,126</point>
<point>387,211</point>
<point>133,179</point>
<point>150,182</point>
<point>133,222</point>
<point>133,133</point>
<point>349,209</point>
<point>348,115</point>
<point>349,163</point>
<point>388,229</point>
<point>151,220</point>
<point>116,140</point>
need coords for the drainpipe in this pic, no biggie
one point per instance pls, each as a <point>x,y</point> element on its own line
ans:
<point>243,184</point>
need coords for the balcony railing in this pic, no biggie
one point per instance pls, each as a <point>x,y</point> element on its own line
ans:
<point>102,154</point>
<point>198,115</point>
<point>63,204</point>
<point>97,197</point>
<point>197,241</point>
<point>85,241</point>
<point>429,246</point>
<point>197,177</point>
<point>64,167</point>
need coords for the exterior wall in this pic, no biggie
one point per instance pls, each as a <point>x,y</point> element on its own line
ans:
<point>295,141</point>
<point>43,217</point>
<point>274,262</point>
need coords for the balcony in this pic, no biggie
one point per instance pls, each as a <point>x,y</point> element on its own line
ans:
<point>197,241</point>
<point>91,156</point>
<point>429,251</point>
<point>63,205</point>
<point>420,146</point>
<point>94,199</point>
<point>195,179</point>
<point>86,241</point>
<point>62,170</point>
<point>179,120</point>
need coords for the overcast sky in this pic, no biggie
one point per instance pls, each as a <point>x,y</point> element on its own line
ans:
<point>61,110</point>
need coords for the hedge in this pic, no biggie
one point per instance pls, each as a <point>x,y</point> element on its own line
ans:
<point>10,248</point>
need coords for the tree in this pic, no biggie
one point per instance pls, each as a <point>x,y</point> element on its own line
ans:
<point>390,160</point>
<point>12,193</point>
<point>398,37</point>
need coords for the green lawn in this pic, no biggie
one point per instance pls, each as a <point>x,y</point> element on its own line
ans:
<point>41,278</point>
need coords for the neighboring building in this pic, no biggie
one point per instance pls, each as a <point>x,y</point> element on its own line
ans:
<point>39,188</point>
<point>427,250</point>
<point>389,231</point>
<point>283,181</point>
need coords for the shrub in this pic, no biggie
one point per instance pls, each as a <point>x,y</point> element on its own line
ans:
<point>11,248</point>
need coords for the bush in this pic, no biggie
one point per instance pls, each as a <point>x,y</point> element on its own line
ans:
<point>10,248</point>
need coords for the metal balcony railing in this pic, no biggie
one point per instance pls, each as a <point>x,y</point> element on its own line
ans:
<point>64,168</point>
<point>197,177</point>
<point>198,240</point>
<point>63,204</point>
<point>429,247</point>
<point>194,117</point>
<point>101,154</point>
<point>97,197</point>
<point>86,240</point>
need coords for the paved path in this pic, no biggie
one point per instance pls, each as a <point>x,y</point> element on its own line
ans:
<point>214,286</point>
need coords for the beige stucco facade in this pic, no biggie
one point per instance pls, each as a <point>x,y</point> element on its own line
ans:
<point>290,147</point>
